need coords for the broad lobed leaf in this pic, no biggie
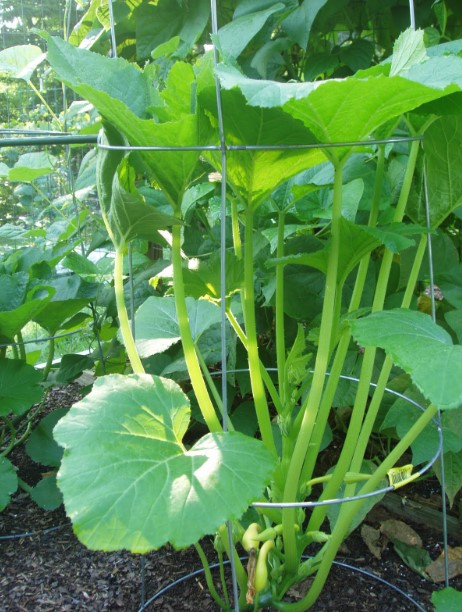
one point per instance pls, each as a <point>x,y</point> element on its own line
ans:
<point>419,346</point>
<point>129,483</point>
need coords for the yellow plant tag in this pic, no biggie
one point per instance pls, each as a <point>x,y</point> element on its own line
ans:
<point>400,476</point>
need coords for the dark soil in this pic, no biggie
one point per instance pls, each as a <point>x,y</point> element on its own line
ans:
<point>45,568</point>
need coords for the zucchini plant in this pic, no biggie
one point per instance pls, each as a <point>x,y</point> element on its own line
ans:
<point>324,184</point>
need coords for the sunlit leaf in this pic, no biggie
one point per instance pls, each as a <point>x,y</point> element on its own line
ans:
<point>124,439</point>
<point>419,346</point>
<point>20,62</point>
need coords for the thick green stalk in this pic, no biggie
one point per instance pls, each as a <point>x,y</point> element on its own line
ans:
<point>209,577</point>
<point>235,229</point>
<point>387,365</point>
<point>363,435</point>
<point>248,298</point>
<point>212,387</point>
<point>21,346</point>
<point>50,356</point>
<point>124,322</point>
<point>265,376</point>
<point>311,405</point>
<point>362,393</point>
<point>192,362</point>
<point>344,342</point>
<point>349,510</point>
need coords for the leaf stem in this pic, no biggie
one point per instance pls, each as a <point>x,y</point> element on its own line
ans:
<point>344,343</point>
<point>350,509</point>
<point>209,578</point>
<point>311,405</point>
<point>192,362</point>
<point>264,373</point>
<point>124,321</point>
<point>354,437</point>
<point>248,298</point>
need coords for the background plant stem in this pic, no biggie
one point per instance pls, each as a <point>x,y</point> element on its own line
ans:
<point>124,322</point>
<point>248,298</point>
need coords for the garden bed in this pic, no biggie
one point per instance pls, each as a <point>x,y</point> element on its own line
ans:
<point>49,570</point>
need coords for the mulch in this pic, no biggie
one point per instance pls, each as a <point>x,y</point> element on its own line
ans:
<point>44,568</point>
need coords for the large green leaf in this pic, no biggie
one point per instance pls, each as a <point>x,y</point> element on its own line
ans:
<point>46,493</point>
<point>31,166</point>
<point>298,24</point>
<point>85,71</point>
<point>129,216</point>
<point>421,348</point>
<point>350,109</point>
<point>128,481</point>
<point>447,600</point>
<point>443,158</point>
<point>41,447</point>
<point>356,242</point>
<point>235,36</point>
<point>19,62</point>
<point>35,301</point>
<point>8,482</point>
<point>19,386</point>
<point>255,173</point>
<point>157,323</point>
<point>204,279</point>
<point>71,295</point>
<point>104,85</point>
<point>160,22</point>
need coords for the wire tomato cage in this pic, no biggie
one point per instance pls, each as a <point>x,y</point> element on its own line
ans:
<point>397,477</point>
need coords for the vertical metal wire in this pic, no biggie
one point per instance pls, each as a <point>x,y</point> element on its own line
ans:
<point>431,272</point>
<point>224,357</point>
<point>412,13</point>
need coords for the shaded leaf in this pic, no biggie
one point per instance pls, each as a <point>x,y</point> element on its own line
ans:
<point>157,324</point>
<point>19,386</point>
<point>236,35</point>
<point>298,24</point>
<point>443,158</point>
<point>157,24</point>
<point>41,447</point>
<point>8,482</point>
<point>414,557</point>
<point>447,600</point>
<point>452,474</point>
<point>46,493</point>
